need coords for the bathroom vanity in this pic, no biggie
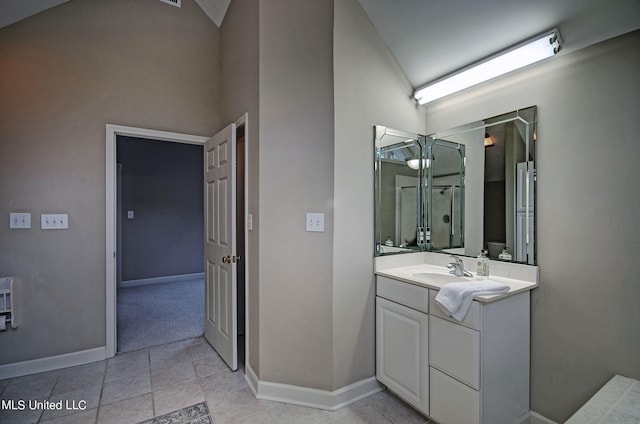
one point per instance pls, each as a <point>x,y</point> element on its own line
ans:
<point>470,371</point>
<point>456,191</point>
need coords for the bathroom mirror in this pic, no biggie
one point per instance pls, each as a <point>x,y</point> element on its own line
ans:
<point>473,188</point>
<point>397,190</point>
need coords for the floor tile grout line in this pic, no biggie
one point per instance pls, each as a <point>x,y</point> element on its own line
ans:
<point>197,381</point>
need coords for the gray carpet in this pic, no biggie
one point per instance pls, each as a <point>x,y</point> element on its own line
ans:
<point>156,314</point>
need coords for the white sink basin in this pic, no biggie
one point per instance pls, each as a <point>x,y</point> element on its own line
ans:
<point>437,276</point>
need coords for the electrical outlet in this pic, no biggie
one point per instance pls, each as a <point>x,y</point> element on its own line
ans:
<point>315,222</point>
<point>54,221</point>
<point>18,220</point>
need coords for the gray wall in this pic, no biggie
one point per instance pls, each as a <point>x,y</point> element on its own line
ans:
<point>585,314</point>
<point>64,74</point>
<point>296,176</point>
<point>163,184</point>
<point>369,88</point>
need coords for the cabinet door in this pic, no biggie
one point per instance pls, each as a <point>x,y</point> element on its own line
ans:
<point>401,352</point>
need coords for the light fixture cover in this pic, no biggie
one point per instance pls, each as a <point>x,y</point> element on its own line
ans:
<point>488,141</point>
<point>524,54</point>
<point>415,163</point>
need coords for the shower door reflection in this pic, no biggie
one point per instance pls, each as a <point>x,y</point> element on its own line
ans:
<point>445,193</point>
<point>406,210</point>
<point>447,226</point>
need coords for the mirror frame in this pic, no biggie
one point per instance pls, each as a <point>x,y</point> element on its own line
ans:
<point>384,136</point>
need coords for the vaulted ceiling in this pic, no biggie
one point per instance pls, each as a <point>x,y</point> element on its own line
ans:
<point>12,11</point>
<point>432,38</point>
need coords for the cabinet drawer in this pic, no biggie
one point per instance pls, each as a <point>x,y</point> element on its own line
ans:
<point>410,295</point>
<point>452,402</point>
<point>472,320</point>
<point>455,350</point>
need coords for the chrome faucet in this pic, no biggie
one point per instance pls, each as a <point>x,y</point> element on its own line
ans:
<point>457,268</point>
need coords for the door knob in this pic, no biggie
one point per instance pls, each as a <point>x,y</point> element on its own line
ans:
<point>230,259</point>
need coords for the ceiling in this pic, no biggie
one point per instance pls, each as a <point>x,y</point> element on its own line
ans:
<point>432,38</point>
<point>12,11</point>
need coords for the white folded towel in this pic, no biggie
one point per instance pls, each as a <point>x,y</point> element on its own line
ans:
<point>455,298</point>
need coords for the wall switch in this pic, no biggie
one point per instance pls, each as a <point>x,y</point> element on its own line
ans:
<point>315,222</point>
<point>54,221</point>
<point>19,220</point>
<point>250,222</point>
<point>130,214</point>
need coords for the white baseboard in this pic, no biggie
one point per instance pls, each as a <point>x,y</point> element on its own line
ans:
<point>34,366</point>
<point>314,398</point>
<point>533,417</point>
<point>159,280</point>
<point>251,379</point>
<point>540,419</point>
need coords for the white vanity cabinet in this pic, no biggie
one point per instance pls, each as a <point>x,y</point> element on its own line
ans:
<point>402,336</point>
<point>471,372</point>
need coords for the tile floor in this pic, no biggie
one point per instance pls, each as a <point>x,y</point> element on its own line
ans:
<point>617,402</point>
<point>183,383</point>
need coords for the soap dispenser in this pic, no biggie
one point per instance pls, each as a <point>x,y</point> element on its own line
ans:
<point>388,242</point>
<point>482,265</point>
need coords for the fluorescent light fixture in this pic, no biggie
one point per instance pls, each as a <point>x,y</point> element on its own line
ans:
<point>524,54</point>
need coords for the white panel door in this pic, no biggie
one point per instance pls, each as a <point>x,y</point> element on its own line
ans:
<point>221,326</point>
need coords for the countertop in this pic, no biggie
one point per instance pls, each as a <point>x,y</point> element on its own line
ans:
<point>438,276</point>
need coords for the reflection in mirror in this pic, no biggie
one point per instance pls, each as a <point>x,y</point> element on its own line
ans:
<point>445,194</point>
<point>473,189</point>
<point>397,195</point>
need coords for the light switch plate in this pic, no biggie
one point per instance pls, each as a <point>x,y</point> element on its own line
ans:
<point>130,214</point>
<point>54,221</point>
<point>19,220</point>
<point>315,222</point>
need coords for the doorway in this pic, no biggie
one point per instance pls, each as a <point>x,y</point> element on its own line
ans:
<point>112,132</point>
<point>160,281</point>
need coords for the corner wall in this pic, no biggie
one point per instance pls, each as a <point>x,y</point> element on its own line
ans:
<point>64,74</point>
<point>585,314</point>
<point>296,177</point>
<point>369,89</point>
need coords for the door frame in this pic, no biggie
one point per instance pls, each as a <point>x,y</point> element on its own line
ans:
<point>112,132</point>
